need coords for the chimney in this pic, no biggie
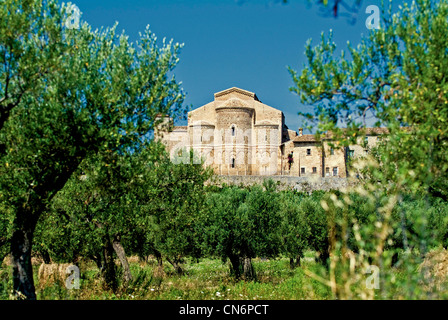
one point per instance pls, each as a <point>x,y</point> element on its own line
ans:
<point>300,132</point>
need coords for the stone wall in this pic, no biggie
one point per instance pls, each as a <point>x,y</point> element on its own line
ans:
<point>304,184</point>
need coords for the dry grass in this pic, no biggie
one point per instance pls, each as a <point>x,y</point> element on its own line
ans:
<point>52,273</point>
<point>435,269</point>
<point>35,261</point>
<point>6,261</point>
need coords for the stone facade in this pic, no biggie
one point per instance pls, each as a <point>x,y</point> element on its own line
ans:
<point>238,135</point>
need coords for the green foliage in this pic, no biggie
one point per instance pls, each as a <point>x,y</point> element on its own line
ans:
<point>294,229</point>
<point>105,96</point>
<point>318,224</point>
<point>177,196</point>
<point>141,198</point>
<point>68,95</point>
<point>396,73</point>
<point>303,224</point>
<point>31,42</point>
<point>241,223</point>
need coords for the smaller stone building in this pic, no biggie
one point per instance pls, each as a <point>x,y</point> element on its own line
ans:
<point>314,158</point>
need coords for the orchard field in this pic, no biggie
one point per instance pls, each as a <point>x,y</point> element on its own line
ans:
<point>279,259</point>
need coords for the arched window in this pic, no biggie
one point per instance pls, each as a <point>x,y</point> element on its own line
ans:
<point>233,131</point>
<point>233,163</point>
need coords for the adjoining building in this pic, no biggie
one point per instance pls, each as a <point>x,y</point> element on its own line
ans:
<point>237,134</point>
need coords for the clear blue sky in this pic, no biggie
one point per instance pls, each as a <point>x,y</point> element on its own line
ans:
<point>246,44</point>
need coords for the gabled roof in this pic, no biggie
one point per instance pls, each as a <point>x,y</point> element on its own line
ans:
<point>235,89</point>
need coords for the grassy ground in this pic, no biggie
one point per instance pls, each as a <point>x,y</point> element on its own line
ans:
<point>207,279</point>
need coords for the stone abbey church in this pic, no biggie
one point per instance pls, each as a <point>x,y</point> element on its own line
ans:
<point>237,134</point>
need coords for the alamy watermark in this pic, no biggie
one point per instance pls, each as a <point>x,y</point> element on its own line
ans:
<point>373,21</point>
<point>373,281</point>
<point>74,16</point>
<point>72,281</point>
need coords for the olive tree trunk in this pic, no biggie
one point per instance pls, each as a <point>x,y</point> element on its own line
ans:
<point>175,262</point>
<point>293,264</point>
<point>248,269</point>
<point>119,250</point>
<point>109,270</point>
<point>22,270</point>
<point>158,256</point>
<point>21,245</point>
<point>241,267</point>
<point>235,269</point>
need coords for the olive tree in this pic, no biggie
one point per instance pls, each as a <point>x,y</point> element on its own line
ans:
<point>295,230</point>
<point>241,224</point>
<point>177,193</point>
<point>101,94</point>
<point>396,76</point>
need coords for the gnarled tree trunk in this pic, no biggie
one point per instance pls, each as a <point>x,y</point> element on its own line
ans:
<point>324,259</point>
<point>158,256</point>
<point>109,270</point>
<point>22,270</point>
<point>242,267</point>
<point>248,269</point>
<point>21,246</point>
<point>119,250</point>
<point>176,265</point>
<point>45,256</point>
<point>98,261</point>
<point>293,264</point>
<point>158,272</point>
<point>235,262</point>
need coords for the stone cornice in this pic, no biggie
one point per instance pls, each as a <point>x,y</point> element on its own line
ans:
<point>235,89</point>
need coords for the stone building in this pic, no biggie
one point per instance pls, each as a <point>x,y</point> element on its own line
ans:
<point>237,134</point>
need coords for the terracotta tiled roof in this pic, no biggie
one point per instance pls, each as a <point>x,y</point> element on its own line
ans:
<point>330,135</point>
<point>368,131</point>
<point>305,138</point>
